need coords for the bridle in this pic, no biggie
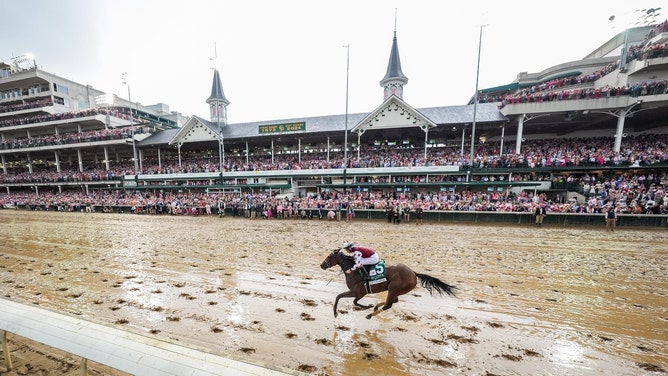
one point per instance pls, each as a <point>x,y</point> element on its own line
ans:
<point>326,262</point>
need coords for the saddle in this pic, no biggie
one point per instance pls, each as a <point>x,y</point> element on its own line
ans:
<point>373,274</point>
<point>365,270</point>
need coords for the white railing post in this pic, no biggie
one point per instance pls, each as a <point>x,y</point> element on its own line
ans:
<point>84,367</point>
<point>5,350</point>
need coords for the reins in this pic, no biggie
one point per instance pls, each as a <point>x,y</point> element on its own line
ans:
<point>331,279</point>
<point>328,265</point>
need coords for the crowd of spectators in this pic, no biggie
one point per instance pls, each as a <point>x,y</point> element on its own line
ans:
<point>70,175</point>
<point>557,89</point>
<point>641,88</point>
<point>40,118</point>
<point>638,150</point>
<point>654,51</point>
<point>568,152</point>
<point>26,105</point>
<point>647,50</point>
<point>549,85</point>
<point>628,193</point>
<point>73,137</point>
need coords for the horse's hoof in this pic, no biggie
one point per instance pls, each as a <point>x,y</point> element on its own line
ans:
<point>369,316</point>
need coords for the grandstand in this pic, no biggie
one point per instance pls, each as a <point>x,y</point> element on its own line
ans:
<point>602,118</point>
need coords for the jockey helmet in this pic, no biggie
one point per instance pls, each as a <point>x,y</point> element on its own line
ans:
<point>347,244</point>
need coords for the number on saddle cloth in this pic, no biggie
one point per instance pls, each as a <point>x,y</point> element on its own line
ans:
<point>374,273</point>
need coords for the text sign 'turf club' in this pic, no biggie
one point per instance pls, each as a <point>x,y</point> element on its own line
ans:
<point>280,128</point>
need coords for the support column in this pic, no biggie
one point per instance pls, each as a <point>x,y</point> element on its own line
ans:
<point>4,165</point>
<point>461,153</point>
<point>426,140</point>
<point>359,144</point>
<point>247,153</point>
<point>620,129</point>
<point>520,130</point>
<point>503,132</point>
<point>141,159</point>
<point>327,149</point>
<point>272,151</point>
<point>159,160</point>
<point>179,148</point>
<point>299,149</point>
<point>80,160</point>
<point>106,159</point>
<point>29,163</point>
<point>57,160</point>
<point>621,115</point>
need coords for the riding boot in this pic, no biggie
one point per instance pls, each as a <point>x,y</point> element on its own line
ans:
<point>364,273</point>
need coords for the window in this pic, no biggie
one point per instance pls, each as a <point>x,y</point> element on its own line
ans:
<point>60,89</point>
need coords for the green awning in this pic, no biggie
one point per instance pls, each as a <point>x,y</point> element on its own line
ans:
<point>502,88</point>
<point>555,77</point>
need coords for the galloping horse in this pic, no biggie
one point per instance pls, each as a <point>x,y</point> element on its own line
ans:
<point>400,280</point>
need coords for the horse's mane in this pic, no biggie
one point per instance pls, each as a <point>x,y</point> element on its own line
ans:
<point>346,258</point>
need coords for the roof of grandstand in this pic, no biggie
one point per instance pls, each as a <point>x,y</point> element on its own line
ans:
<point>445,115</point>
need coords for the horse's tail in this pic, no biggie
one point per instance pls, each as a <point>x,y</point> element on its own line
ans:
<point>432,283</point>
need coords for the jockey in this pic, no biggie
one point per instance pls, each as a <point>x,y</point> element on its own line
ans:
<point>362,255</point>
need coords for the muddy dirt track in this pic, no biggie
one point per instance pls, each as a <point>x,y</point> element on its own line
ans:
<point>531,301</point>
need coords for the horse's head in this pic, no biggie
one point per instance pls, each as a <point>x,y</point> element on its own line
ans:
<point>331,260</point>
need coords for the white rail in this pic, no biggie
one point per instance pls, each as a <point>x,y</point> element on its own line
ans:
<point>122,350</point>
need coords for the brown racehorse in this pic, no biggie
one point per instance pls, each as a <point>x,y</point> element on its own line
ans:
<point>400,280</point>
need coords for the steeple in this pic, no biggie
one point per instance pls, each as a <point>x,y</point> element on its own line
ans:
<point>217,101</point>
<point>394,80</point>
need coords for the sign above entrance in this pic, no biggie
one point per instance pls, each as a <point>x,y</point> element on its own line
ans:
<point>281,128</point>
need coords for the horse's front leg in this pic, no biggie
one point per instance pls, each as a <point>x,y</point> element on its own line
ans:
<point>347,294</point>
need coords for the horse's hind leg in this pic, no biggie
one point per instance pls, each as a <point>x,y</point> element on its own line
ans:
<point>396,300</point>
<point>388,304</point>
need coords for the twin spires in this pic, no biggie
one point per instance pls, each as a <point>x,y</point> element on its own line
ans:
<point>217,101</point>
<point>392,84</point>
<point>394,80</point>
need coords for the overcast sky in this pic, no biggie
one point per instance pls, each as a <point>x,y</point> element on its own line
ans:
<point>285,59</point>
